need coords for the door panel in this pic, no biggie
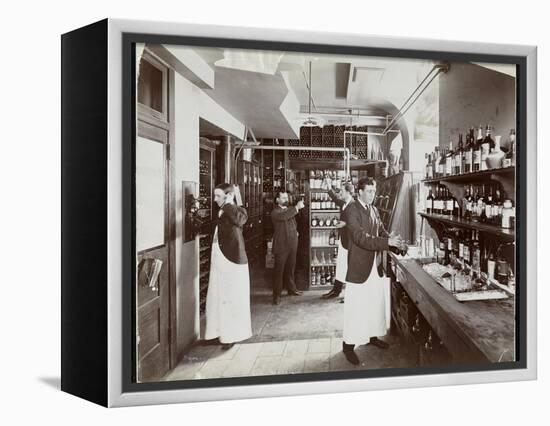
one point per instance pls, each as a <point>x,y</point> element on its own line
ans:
<point>152,243</point>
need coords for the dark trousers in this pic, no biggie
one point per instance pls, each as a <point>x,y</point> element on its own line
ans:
<point>285,264</point>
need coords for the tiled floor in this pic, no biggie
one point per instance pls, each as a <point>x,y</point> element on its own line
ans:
<point>285,357</point>
<point>301,335</point>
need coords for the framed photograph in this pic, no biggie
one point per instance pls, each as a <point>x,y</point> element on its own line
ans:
<point>252,213</point>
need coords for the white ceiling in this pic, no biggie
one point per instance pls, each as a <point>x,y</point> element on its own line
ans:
<point>253,85</point>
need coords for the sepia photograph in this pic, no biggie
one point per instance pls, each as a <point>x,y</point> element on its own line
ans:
<point>300,213</point>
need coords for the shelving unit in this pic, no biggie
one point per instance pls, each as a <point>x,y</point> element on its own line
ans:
<point>504,175</point>
<point>329,252</point>
<point>473,176</point>
<point>507,235</point>
<point>249,176</point>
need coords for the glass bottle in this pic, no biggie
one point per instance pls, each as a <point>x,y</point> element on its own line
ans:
<point>477,150</point>
<point>449,160</point>
<point>429,202</point>
<point>459,156</point>
<point>468,152</point>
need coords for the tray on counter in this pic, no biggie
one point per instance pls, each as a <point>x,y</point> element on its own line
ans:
<point>492,292</point>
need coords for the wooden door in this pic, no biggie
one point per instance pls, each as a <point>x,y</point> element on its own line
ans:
<point>153,252</point>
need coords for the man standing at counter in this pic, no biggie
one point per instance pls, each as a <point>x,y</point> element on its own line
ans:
<point>366,301</point>
<point>285,245</point>
<point>342,200</point>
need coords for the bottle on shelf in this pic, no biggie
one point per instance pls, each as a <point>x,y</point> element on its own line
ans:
<point>475,210</point>
<point>469,151</point>
<point>443,164</point>
<point>435,161</point>
<point>429,168</point>
<point>468,203</point>
<point>486,146</point>
<point>439,202</point>
<point>509,157</point>
<point>475,252</point>
<point>332,238</point>
<point>459,157</point>
<point>456,208</point>
<point>334,254</point>
<point>449,203</point>
<point>466,245</point>
<point>507,214</point>
<point>323,261</point>
<point>314,221</point>
<point>478,150</point>
<point>489,206</point>
<point>430,202</point>
<point>496,213</point>
<point>317,277</point>
<point>449,160</point>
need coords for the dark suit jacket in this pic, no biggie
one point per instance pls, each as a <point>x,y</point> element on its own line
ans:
<point>343,216</point>
<point>285,234</point>
<point>230,233</point>
<point>365,242</point>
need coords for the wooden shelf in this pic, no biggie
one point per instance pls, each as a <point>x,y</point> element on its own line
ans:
<point>325,211</point>
<point>505,234</point>
<point>313,228</point>
<point>474,176</point>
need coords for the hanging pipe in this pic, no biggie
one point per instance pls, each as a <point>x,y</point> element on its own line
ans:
<point>439,68</point>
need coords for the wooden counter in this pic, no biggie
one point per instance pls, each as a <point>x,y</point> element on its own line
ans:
<point>476,331</point>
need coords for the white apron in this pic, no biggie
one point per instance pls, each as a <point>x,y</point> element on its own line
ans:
<point>228,299</point>
<point>341,263</point>
<point>367,309</point>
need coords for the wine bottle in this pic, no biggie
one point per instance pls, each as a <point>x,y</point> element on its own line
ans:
<point>430,203</point>
<point>443,164</point>
<point>469,151</point>
<point>449,160</point>
<point>449,203</point>
<point>459,156</point>
<point>477,150</point>
<point>486,145</point>
<point>508,158</point>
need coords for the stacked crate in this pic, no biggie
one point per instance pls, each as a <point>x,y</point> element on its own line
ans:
<point>316,141</point>
<point>328,141</point>
<point>350,139</point>
<point>361,144</point>
<point>305,140</point>
<point>338,141</point>
<point>292,155</point>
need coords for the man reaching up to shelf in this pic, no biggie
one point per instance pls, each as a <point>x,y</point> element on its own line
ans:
<point>285,245</point>
<point>366,302</point>
<point>343,200</point>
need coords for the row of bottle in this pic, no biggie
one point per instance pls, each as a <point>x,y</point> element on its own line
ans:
<point>322,201</point>
<point>481,203</point>
<point>322,275</point>
<point>462,247</point>
<point>325,179</point>
<point>477,154</point>
<point>317,221</point>
<point>321,238</point>
<point>326,257</point>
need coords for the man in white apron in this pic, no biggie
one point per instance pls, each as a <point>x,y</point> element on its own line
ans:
<point>342,200</point>
<point>367,298</point>
<point>228,299</point>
